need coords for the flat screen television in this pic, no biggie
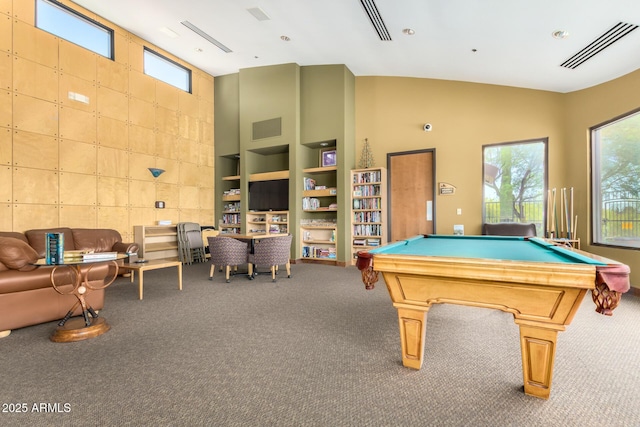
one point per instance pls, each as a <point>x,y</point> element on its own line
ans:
<point>269,195</point>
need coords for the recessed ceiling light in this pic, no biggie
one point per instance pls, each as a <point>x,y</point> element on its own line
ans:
<point>198,50</point>
<point>324,144</point>
<point>560,34</point>
<point>408,31</point>
<point>285,38</point>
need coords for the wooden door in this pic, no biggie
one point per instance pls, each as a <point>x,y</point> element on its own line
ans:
<point>411,194</point>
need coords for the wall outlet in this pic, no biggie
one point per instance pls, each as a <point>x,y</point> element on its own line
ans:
<point>459,211</point>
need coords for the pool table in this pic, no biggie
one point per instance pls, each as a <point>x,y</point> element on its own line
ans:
<point>540,283</point>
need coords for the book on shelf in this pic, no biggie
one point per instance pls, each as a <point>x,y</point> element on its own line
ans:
<point>54,245</point>
<point>80,255</point>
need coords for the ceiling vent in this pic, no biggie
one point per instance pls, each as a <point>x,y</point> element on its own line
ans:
<point>266,129</point>
<point>205,36</point>
<point>376,19</point>
<point>614,34</point>
<point>259,14</point>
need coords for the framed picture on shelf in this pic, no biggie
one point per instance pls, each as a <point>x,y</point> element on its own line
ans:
<point>328,158</point>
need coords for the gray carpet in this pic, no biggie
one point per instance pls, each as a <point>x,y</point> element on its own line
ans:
<point>313,350</point>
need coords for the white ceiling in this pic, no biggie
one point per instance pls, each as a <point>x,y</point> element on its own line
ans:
<point>512,37</point>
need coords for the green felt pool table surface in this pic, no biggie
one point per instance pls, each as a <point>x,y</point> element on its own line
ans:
<point>485,247</point>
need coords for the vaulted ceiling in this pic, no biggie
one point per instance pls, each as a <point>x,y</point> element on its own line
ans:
<point>503,42</point>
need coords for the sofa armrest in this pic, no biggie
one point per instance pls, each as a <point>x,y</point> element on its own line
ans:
<point>125,247</point>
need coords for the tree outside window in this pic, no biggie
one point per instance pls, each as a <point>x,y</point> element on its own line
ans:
<point>515,183</point>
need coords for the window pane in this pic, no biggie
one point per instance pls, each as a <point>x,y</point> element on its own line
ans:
<point>164,69</point>
<point>64,23</point>
<point>515,183</point>
<point>616,182</point>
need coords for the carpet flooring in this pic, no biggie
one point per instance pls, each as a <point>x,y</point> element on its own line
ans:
<point>313,350</point>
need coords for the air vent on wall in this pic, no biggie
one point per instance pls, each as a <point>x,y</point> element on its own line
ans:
<point>376,19</point>
<point>267,129</point>
<point>611,36</point>
<point>205,36</point>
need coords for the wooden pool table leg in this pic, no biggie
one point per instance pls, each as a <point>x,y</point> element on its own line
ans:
<point>413,324</point>
<point>538,346</point>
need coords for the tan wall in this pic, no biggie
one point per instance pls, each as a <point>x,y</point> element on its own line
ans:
<point>391,112</point>
<point>67,163</point>
<point>585,109</point>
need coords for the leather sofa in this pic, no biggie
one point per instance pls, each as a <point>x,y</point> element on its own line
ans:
<point>26,294</point>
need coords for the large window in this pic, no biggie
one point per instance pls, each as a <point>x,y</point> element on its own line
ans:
<point>515,183</point>
<point>68,24</point>
<point>162,68</point>
<point>615,157</point>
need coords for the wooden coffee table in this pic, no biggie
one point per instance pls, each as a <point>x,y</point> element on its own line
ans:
<point>153,264</point>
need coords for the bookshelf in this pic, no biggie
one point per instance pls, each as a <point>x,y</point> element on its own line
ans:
<point>156,241</point>
<point>368,209</point>
<point>271,222</point>
<point>318,227</point>
<point>231,221</point>
<point>318,240</point>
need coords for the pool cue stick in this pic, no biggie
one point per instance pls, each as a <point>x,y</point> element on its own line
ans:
<point>548,212</point>
<point>563,197</point>
<point>566,214</point>
<point>554,220</point>
<point>571,217</point>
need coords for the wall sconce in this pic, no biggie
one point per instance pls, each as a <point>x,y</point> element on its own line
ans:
<point>156,172</point>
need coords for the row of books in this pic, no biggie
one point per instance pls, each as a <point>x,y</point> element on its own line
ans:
<point>367,204</point>
<point>366,190</point>
<point>231,218</point>
<point>79,256</point>
<point>364,177</point>
<point>366,242</point>
<point>367,230</point>
<point>369,216</point>
<point>318,252</point>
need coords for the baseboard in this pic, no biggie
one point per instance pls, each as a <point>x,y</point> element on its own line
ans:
<point>634,291</point>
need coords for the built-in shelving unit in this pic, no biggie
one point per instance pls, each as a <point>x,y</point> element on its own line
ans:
<point>368,209</point>
<point>272,222</point>
<point>318,230</point>
<point>318,240</point>
<point>156,241</point>
<point>231,221</point>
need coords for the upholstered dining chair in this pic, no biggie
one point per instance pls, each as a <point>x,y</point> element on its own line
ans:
<point>206,233</point>
<point>227,252</point>
<point>273,252</point>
